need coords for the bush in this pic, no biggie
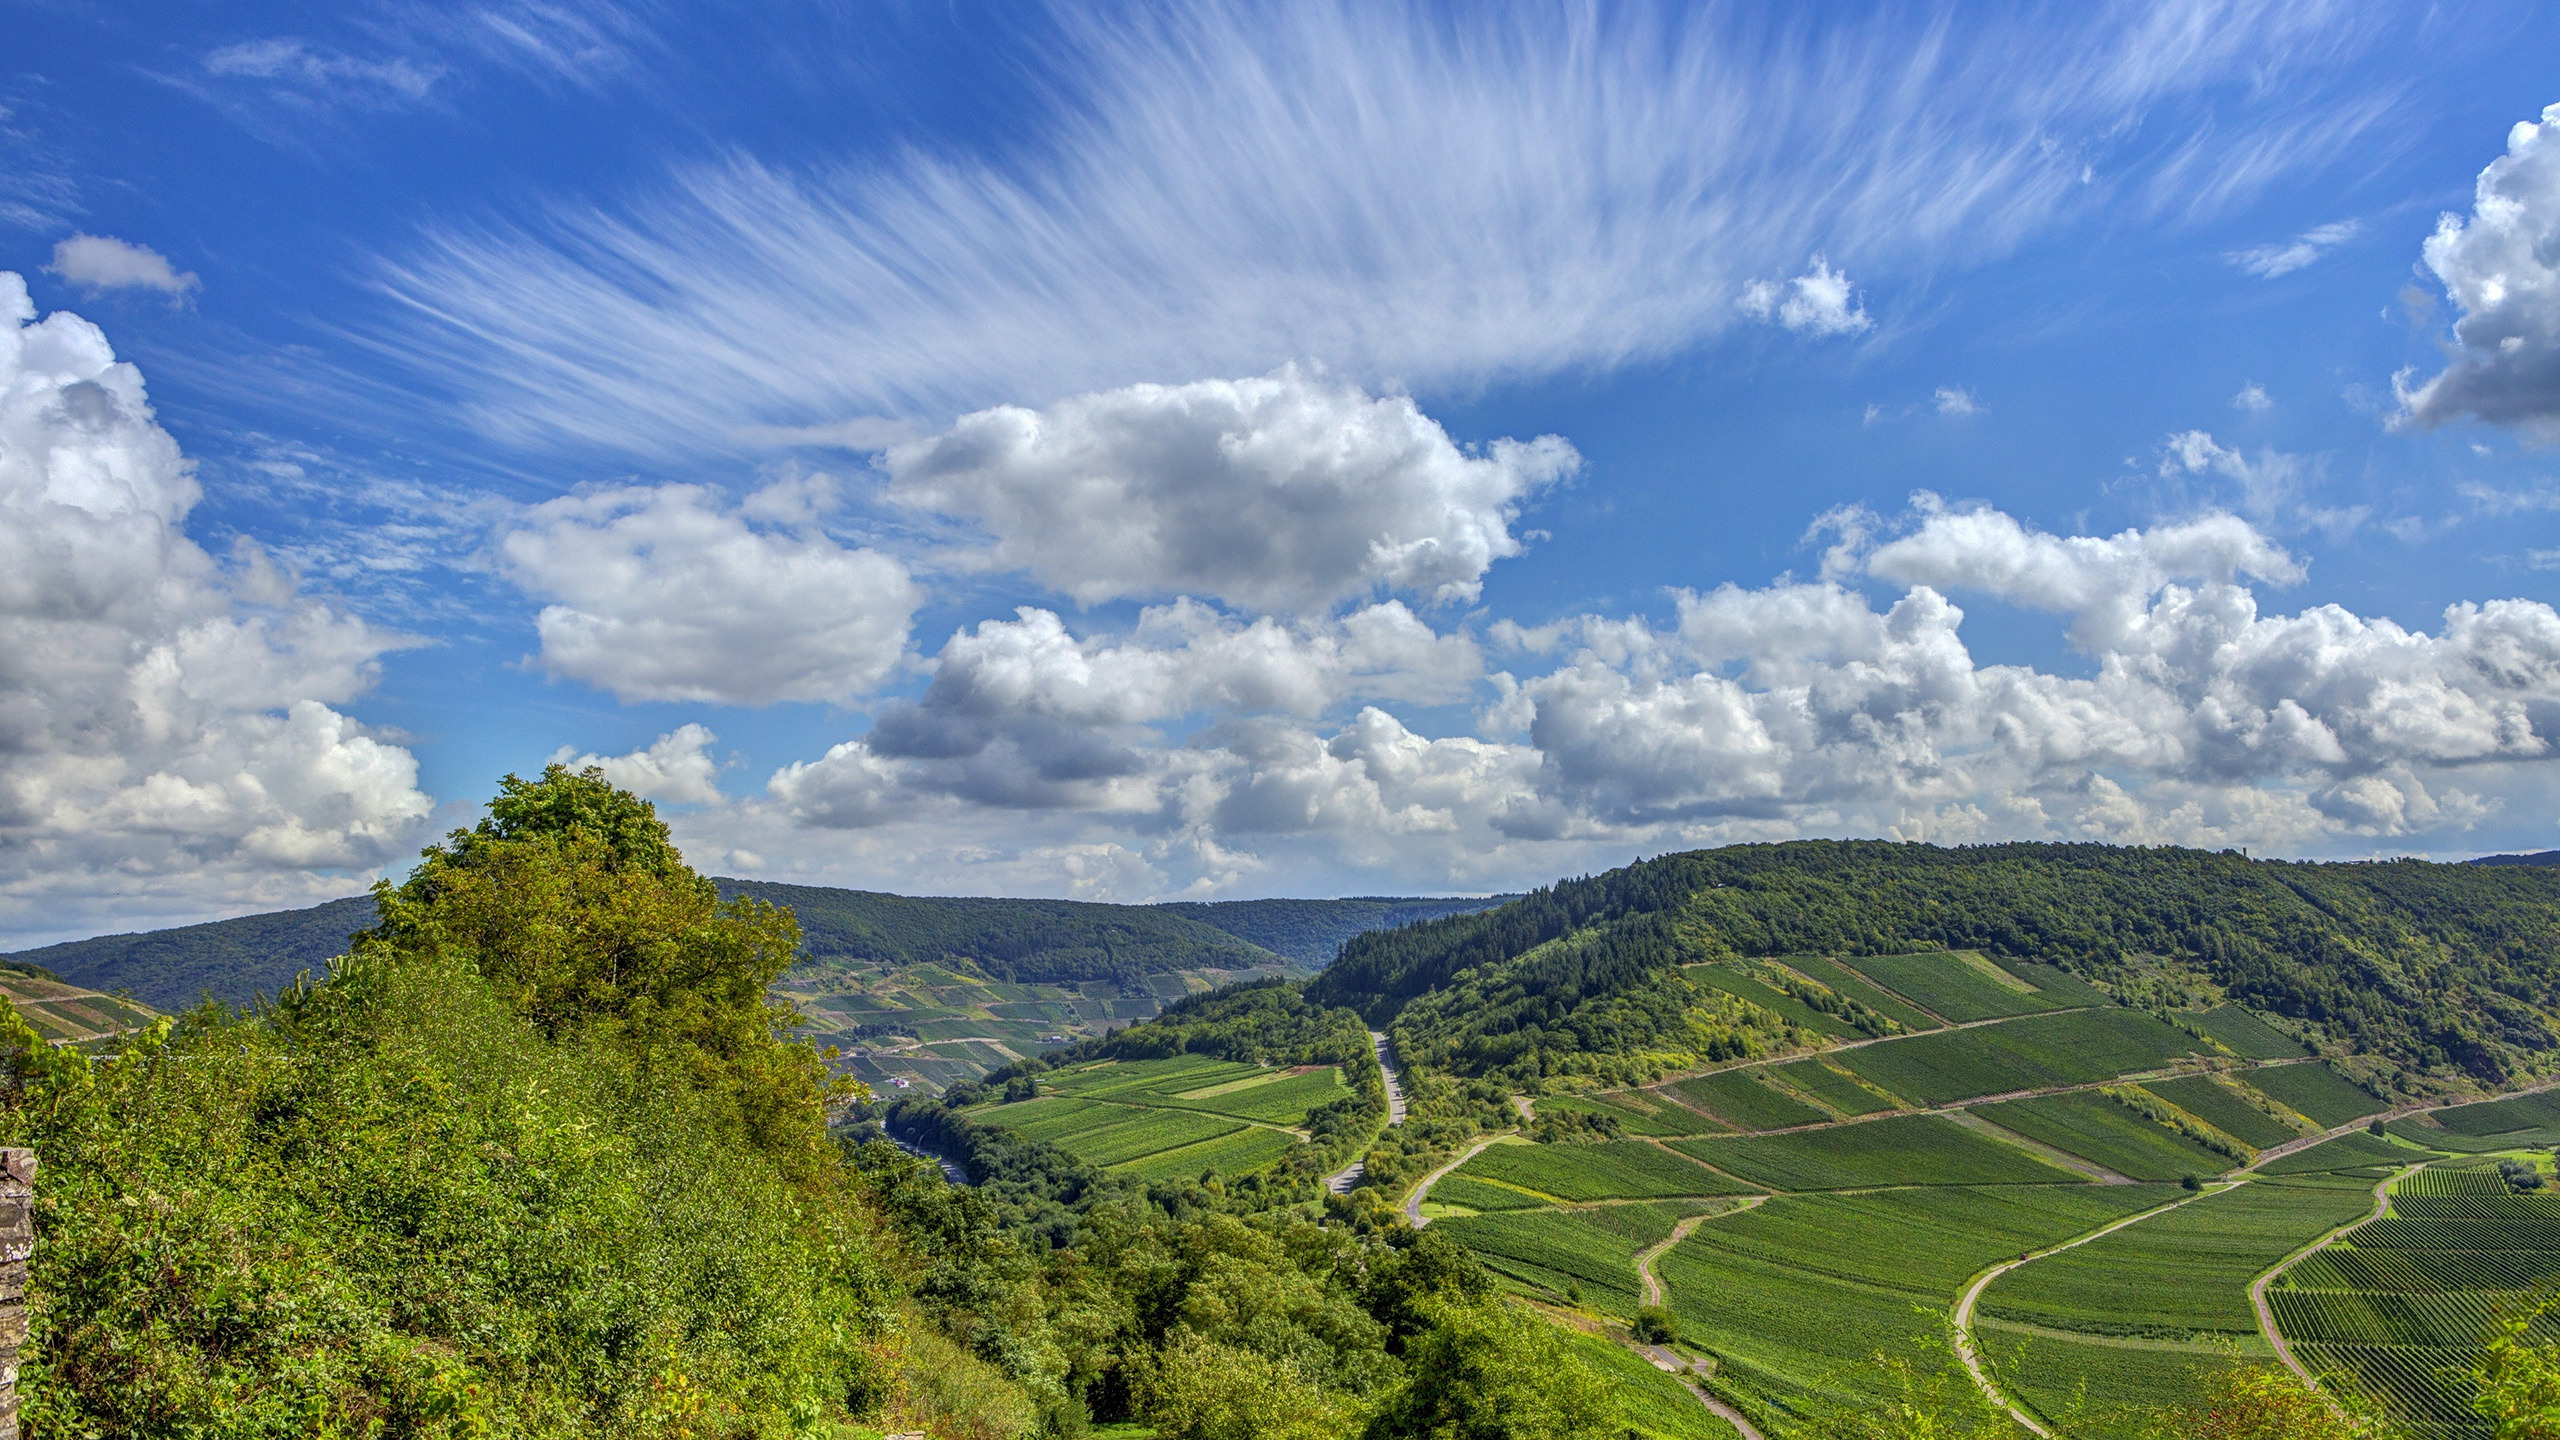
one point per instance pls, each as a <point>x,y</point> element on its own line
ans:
<point>1654,1325</point>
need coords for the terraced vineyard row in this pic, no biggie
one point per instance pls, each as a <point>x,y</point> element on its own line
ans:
<point>1158,1119</point>
<point>2398,1309</point>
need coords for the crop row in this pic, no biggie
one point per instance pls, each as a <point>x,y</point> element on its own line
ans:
<point>1620,1169</point>
<point>2096,1127</point>
<point>2382,1268</point>
<point>1557,1249</point>
<point>1238,1152</point>
<point>2470,1207</point>
<point>2182,1272</point>
<point>2315,1090</point>
<point>1833,1087</point>
<point>2532,1231</point>
<point>2391,1317</point>
<point>1743,1099</point>
<point>2416,1383</point>
<point>1897,1150</point>
<point>2077,1047</point>
<point>1959,987</point>
<point>2474,1180</point>
<point>2226,1107</point>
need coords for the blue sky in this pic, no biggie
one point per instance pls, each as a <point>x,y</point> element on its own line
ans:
<point>1208,450</point>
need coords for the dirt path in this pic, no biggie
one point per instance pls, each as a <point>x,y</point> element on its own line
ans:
<point>2258,1287</point>
<point>1961,1322</point>
<point>1680,1232</point>
<point>1661,1359</point>
<point>1413,1202</point>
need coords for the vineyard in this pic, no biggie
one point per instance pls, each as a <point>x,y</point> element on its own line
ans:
<point>2078,1047</point>
<point>2099,1129</point>
<point>1828,1085</point>
<point>1961,986</point>
<point>1746,1102</point>
<point>1618,1170</point>
<point>1896,1150</point>
<point>1160,1119</point>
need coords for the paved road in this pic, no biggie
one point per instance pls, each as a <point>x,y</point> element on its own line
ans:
<point>1341,1181</point>
<point>1413,1202</point>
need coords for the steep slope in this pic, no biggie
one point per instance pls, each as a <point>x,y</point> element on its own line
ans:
<point>2446,969</point>
<point>235,961</point>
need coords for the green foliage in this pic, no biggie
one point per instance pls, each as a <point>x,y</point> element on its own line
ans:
<point>2437,967</point>
<point>1620,1169</point>
<point>1486,1373</point>
<point>572,901</point>
<point>2518,1379</point>
<point>1897,1150</point>
<point>396,1202</point>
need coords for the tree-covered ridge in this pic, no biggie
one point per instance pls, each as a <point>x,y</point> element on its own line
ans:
<point>235,961</point>
<point>2438,968</point>
<point>1311,932</point>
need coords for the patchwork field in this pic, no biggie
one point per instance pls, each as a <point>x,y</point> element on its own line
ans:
<point>66,1014</point>
<point>941,1024</point>
<point>1830,1086</point>
<point>1616,1170</point>
<point>2139,1315</point>
<point>1794,1297</point>
<point>1585,1255</point>
<point>2398,1309</point>
<point>1896,1150</point>
<point>1156,1119</point>
<point>2037,1052</point>
<point>2228,1107</point>
<point>1958,985</point>
<point>2316,1091</point>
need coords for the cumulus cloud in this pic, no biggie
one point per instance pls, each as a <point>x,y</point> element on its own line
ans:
<point>2253,398</point>
<point>1201,751</point>
<point>672,593</point>
<point>678,767</point>
<point>1957,401</point>
<point>168,736</point>
<point>1288,492</point>
<point>1818,302</point>
<point>98,263</point>
<point>2501,266</point>
<point>2269,261</point>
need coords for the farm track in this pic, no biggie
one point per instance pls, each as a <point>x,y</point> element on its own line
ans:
<point>1660,1358</point>
<point>1960,1322</point>
<point>1413,1202</point>
<point>2258,1288</point>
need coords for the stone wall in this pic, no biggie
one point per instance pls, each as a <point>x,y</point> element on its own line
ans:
<point>17,1242</point>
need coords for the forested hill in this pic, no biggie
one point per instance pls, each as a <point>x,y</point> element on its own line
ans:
<point>2438,967</point>
<point>1032,941</point>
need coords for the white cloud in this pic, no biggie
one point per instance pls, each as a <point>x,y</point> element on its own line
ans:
<point>1288,492</point>
<point>2253,398</point>
<point>167,736</point>
<point>296,67</point>
<point>1197,751</point>
<point>678,767</point>
<point>1957,401</point>
<point>1506,192</point>
<point>2502,269</point>
<point>668,593</point>
<point>2275,489</point>
<point>101,262</point>
<point>1818,302</point>
<point>2269,261</point>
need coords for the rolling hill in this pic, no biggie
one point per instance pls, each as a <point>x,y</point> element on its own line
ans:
<point>1045,942</point>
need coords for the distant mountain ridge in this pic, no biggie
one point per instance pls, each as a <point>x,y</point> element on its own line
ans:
<point>2539,857</point>
<point>242,959</point>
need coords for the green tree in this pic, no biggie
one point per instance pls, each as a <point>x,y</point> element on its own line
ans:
<point>1487,1372</point>
<point>2519,1381</point>
<point>573,901</point>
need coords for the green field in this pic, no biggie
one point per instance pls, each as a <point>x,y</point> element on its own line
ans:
<point>2397,1304</point>
<point>1615,1170</point>
<point>1637,1113</point>
<point>1845,981</point>
<point>1161,1119</point>
<point>2352,1153</point>
<point>1831,1086</point>
<point>2224,1107</point>
<point>2180,1275</point>
<point>2093,1127</point>
<point>2249,1037</point>
<point>1740,1097</point>
<point>1795,1297</point>
<point>1896,1150</point>
<point>1651,1404</point>
<point>1590,1253</point>
<point>1957,985</point>
<point>1469,1194</point>
<point>2076,1048</point>
<point>1739,982</point>
<point>2315,1090</point>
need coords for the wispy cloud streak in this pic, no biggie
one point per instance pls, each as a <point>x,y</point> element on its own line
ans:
<point>1416,201</point>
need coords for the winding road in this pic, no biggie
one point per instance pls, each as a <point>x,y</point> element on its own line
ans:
<point>2258,1287</point>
